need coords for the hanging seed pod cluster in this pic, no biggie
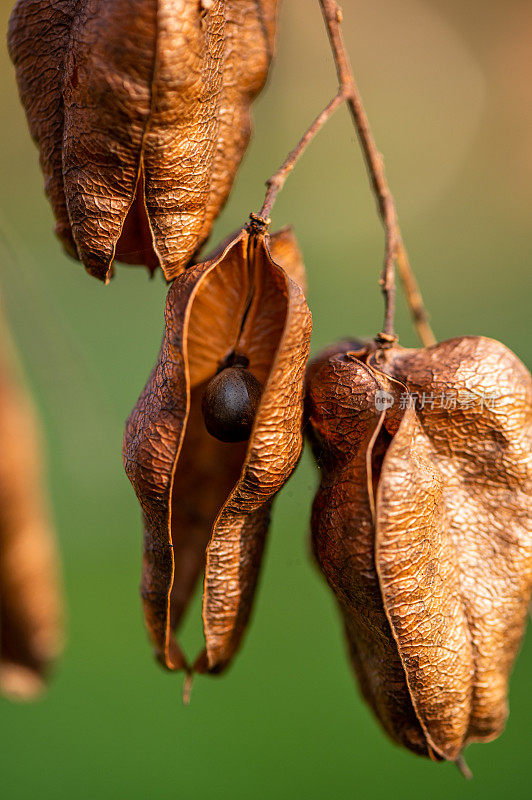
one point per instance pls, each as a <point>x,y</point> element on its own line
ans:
<point>422,521</point>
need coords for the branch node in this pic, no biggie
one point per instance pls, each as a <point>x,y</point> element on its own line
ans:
<point>386,339</point>
<point>257,223</point>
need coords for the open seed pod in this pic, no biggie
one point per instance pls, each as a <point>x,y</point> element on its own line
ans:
<point>206,503</point>
<point>422,527</point>
<point>140,110</point>
<point>30,618</point>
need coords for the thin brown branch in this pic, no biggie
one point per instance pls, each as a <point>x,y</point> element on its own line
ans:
<point>395,252</point>
<point>277,181</point>
<point>414,298</point>
<point>394,247</point>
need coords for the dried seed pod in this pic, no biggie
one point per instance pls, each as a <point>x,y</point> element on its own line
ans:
<point>422,528</point>
<point>206,503</point>
<point>30,619</point>
<point>140,110</point>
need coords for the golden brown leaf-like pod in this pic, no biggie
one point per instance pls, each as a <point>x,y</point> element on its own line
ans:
<point>140,109</point>
<point>206,503</point>
<point>30,618</point>
<point>422,527</point>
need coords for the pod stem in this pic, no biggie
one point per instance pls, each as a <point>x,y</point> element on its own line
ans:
<point>395,252</point>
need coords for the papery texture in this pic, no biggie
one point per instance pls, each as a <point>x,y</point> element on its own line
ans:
<point>140,109</point>
<point>422,526</point>
<point>206,504</point>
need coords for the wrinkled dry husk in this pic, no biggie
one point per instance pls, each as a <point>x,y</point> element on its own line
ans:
<point>141,111</point>
<point>206,504</point>
<point>422,527</point>
<point>30,616</point>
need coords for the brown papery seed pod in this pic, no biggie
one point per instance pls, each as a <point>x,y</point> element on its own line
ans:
<point>422,527</point>
<point>30,609</point>
<point>206,503</point>
<point>140,109</point>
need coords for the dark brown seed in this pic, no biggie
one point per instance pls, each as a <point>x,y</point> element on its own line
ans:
<point>230,402</point>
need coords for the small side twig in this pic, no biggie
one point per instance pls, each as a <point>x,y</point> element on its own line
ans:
<point>395,251</point>
<point>277,181</point>
<point>414,299</point>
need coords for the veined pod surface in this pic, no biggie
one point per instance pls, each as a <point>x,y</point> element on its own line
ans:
<point>206,503</point>
<point>422,528</point>
<point>141,112</point>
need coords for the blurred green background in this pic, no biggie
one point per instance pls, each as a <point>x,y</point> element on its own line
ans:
<point>447,87</point>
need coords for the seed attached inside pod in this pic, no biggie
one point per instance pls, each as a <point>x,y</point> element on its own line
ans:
<point>230,401</point>
<point>206,504</point>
